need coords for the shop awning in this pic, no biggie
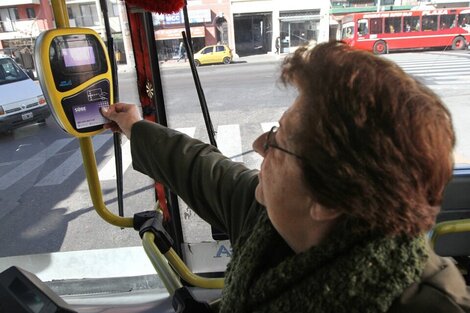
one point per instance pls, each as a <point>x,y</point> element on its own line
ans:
<point>175,33</point>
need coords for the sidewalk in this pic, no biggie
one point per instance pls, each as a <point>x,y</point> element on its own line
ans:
<point>259,58</point>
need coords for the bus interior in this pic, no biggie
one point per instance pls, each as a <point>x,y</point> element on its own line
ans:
<point>175,285</point>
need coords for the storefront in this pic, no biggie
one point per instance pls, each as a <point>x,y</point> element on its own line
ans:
<point>253,33</point>
<point>168,29</point>
<point>298,28</point>
<point>168,41</point>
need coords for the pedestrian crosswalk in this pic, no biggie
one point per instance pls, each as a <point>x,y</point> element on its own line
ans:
<point>34,162</point>
<point>438,70</point>
<point>229,142</point>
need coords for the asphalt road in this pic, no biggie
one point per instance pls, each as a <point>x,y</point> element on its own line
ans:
<point>44,200</point>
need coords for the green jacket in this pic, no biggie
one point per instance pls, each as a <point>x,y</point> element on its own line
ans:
<point>222,193</point>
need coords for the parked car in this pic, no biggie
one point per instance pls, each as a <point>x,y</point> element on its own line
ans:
<point>213,54</point>
<point>21,99</point>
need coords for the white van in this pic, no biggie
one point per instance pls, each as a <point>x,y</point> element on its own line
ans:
<point>21,99</point>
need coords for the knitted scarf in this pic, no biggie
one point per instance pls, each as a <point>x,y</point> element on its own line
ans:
<point>349,272</point>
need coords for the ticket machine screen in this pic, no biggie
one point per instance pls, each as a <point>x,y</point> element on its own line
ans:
<point>75,59</point>
<point>78,56</point>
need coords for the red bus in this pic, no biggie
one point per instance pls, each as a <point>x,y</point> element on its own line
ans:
<point>381,32</point>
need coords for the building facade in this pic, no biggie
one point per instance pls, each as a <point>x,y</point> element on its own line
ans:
<point>246,26</point>
<point>267,26</point>
<point>210,23</point>
<point>21,21</point>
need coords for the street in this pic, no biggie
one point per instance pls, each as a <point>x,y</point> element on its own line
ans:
<point>44,200</point>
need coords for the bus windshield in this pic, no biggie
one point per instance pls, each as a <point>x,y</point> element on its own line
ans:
<point>221,86</point>
<point>10,72</point>
<point>347,31</point>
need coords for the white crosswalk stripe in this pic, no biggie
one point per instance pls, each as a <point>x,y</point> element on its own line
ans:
<point>34,162</point>
<point>190,131</point>
<point>437,72</point>
<point>229,141</point>
<point>267,126</point>
<point>108,171</point>
<point>70,165</point>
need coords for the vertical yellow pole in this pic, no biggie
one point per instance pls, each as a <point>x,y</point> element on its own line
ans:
<point>60,13</point>
<point>86,145</point>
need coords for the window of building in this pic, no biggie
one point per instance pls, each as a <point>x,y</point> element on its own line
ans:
<point>30,13</point>
<point>89,16</point>
<point>114,10</point>
<point>7,18</point>
<point>70,12</point>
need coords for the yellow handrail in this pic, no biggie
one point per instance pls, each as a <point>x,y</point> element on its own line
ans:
<point>89,163</point>
<point>61,15</point>
<point>160,264</point>
<point>185,273</point>
<point>449,227</point>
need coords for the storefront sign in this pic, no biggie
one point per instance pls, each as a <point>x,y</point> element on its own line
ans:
<point>175,33</point>
<point>195,16</point>
<point>175,18</point>
<point>200,16</point>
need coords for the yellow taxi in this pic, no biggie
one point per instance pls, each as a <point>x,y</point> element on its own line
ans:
<point>213,54</point>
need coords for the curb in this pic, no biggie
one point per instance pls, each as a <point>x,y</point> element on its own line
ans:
<point>260,58</point>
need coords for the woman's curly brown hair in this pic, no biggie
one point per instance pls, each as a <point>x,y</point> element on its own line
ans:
<point>378,144</point>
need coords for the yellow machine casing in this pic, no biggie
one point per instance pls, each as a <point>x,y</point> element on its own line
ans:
<point>76,78</point>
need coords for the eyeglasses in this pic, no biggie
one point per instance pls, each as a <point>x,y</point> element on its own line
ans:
<point>268,144</point>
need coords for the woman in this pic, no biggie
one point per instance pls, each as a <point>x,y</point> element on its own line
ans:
<point>351,181</point>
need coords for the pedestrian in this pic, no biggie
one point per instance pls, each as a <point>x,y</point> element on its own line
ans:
<point>351,182</point>
<point>181,52</point>
<point>278,45</point>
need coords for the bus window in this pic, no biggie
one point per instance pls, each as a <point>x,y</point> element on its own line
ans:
<point>430,22</point>
<point>393,25</point>
<point>464,20</point>
<point>348,31</point>
<point>447,21</point>
<point>411,23</point>
<point>362,27</point>
<point>376,26</point>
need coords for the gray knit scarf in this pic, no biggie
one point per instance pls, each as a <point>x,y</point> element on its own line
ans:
<point>347,273</point>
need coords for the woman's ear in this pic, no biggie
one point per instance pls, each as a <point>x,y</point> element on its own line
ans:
<point>321,214</point>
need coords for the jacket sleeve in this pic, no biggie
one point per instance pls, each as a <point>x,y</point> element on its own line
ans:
<point>219,190</point>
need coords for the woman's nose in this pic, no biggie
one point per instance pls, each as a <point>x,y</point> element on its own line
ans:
<point>258,144</point>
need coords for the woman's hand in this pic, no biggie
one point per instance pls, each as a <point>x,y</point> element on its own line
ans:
<point>122,116</point>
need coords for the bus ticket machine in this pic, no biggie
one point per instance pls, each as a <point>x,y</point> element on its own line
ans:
<point>76,78</point>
